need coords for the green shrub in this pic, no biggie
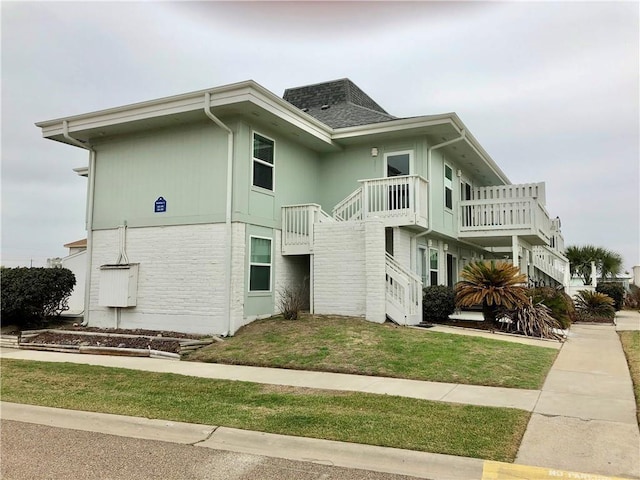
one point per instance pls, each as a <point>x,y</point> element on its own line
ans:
<point>594,306</point>
<point>438,302</point>
<point>31,295</point>
<point>560,304</point>
<point>632,300</point>
<point>615,291</point>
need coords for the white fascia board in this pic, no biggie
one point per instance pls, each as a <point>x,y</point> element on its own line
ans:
<point>471,140</point>
<point>394,126</point>
<point>188,102</point>
<point>292,115</point>
<point>423,122</point>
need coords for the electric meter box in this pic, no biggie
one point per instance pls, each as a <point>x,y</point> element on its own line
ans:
<point>118,285</point>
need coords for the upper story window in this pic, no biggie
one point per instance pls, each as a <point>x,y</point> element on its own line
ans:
<point>448,186</point>
<point>398,163</point>
<point>263,155</point>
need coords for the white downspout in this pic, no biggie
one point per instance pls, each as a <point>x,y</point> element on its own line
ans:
<point>414,239</point>
<point>89,215</point>
<point>229,200</point>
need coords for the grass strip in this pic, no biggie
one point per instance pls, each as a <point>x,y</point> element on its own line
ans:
<point>465,430</point>
<point>631,346</point>
<point>349,345</point>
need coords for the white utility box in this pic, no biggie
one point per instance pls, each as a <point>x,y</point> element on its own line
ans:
<point>118,285</point>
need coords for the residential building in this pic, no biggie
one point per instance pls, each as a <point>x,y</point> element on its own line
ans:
<point>76,261</point>
<point>203,207</point>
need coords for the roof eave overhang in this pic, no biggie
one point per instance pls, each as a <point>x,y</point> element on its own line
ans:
<point>248,92</point>
<point>424,125</point>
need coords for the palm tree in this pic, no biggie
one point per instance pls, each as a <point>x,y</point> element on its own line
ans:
<point>608,263</point>
<point>492,285</point>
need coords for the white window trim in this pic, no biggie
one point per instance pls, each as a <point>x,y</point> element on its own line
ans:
<point>437,269</point>
<point>423,259</point>
<point>444,183</point>
<point>399,152</point>
<point>273,166</point>
<point>270,265</point>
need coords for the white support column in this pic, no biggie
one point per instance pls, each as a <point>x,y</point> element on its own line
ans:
<point>374,252</point>
<point>594,274</point>
<point>515,249</point>
<point>311,301</point>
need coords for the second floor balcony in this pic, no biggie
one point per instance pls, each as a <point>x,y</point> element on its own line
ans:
<point>498,213</point>
<point>396,201</point>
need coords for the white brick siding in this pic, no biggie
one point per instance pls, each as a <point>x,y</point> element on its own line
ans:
<point>402,247</point>
<point>181,284</point>
<point>349,269</point>
<point>292,271</point>
<point>375,272</point>
<point>238,276</point>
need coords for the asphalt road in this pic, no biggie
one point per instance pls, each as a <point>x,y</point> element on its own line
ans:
<point>29,451</point>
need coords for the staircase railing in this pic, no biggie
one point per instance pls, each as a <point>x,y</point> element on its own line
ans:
<point>350,208</point>
<point>403,293</point>
<point>550,262</point>
<point>297,227</point>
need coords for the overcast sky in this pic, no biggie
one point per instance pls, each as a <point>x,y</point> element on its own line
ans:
<point>549,89</point>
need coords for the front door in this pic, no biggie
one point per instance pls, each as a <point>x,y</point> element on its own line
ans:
<point>398,164</point>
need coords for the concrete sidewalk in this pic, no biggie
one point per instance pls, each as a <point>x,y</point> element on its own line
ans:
<point>443,392</point>
<point>585,418</point>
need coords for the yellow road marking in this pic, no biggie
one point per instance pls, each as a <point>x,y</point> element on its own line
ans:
<point>510,471</point>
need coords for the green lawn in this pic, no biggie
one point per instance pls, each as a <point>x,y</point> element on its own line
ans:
<point>349,345</point>
<point>631,345</point>
<point>482,432</point>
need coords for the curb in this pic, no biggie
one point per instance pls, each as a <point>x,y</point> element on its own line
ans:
<point>327,452</point>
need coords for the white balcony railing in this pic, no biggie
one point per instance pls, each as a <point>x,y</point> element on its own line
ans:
<point>505,210</point>
<point>551,262</point>
<point>396,200</point>
<point>297,227</point>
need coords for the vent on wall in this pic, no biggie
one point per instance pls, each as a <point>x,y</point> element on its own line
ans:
<point>118,285</point>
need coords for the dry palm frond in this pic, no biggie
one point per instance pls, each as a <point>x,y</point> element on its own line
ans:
<point>534,320</point>
<point>595,304</point>
<point>491,283</point>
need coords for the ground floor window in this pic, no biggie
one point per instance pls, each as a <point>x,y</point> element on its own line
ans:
<point>433,266</point>
<point>260,265</point>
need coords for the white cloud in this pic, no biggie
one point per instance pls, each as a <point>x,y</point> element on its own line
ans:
<point>550,89</point>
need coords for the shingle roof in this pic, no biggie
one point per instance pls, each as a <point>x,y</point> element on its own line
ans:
<point>76,244</point>
<point>338,103</point>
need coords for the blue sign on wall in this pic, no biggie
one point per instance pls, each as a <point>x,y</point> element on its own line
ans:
<point>160,205</point>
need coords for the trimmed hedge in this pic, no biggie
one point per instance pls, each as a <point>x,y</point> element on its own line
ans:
<point>615,291</point>
<point>438,302</point>
<point>31,295</point>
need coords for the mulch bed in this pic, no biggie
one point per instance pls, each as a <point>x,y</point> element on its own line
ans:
<point>138,331</point>
<point>72,337</point>
<point>139,342</point>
